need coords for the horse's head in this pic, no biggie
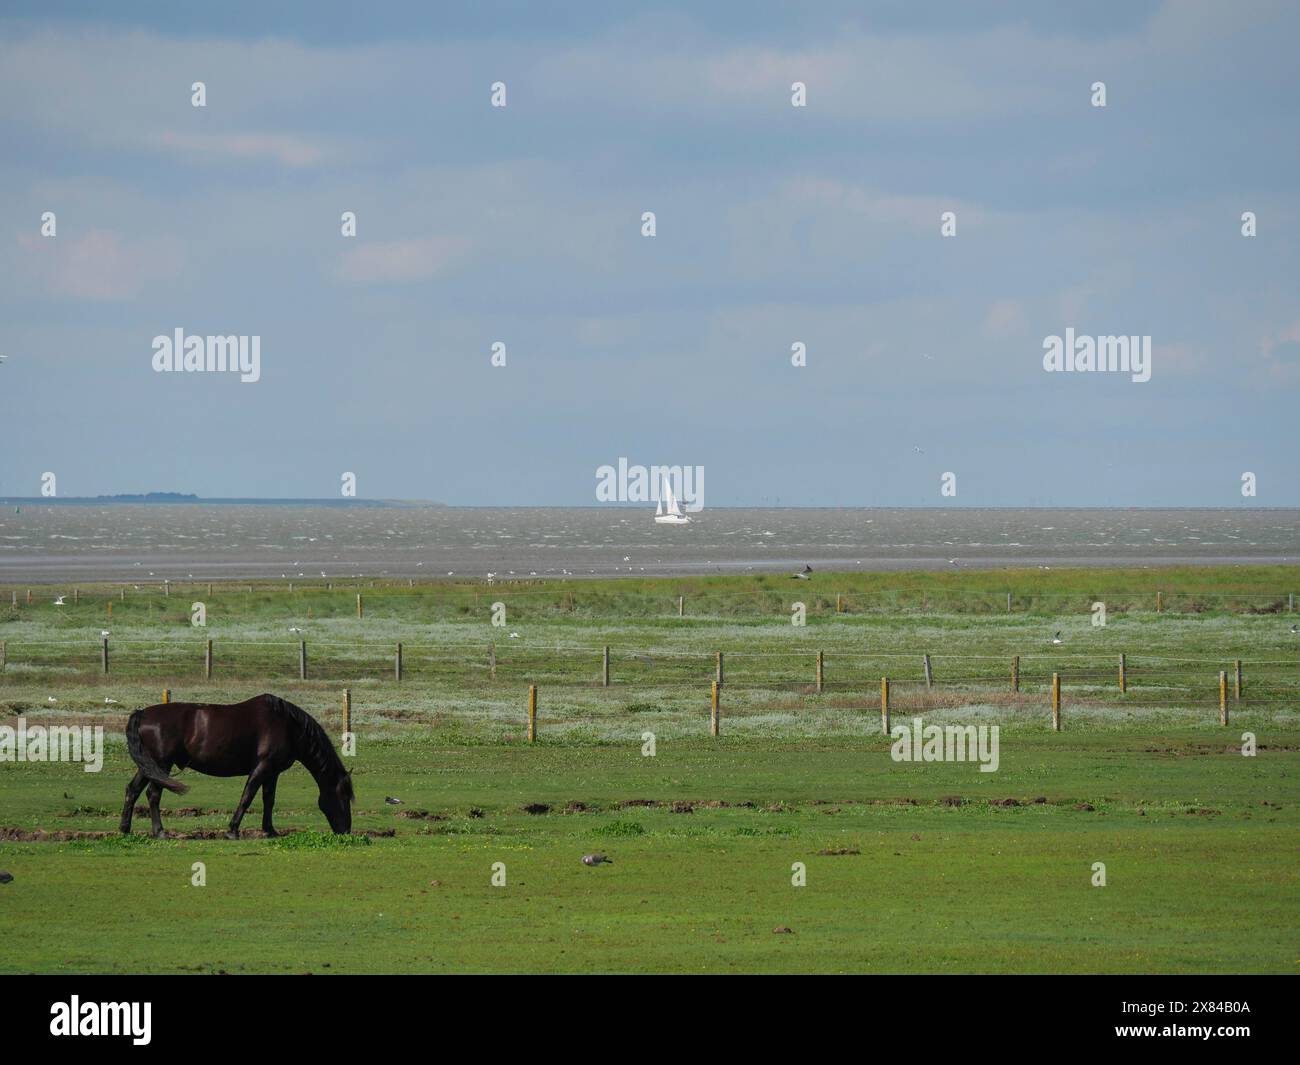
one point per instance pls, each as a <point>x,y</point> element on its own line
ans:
<point>335,803</point>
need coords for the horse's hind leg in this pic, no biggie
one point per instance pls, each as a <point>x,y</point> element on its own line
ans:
<point>268,803</point>
<point>133,790</point>
<point>155,811</point>
<point>255,779</point>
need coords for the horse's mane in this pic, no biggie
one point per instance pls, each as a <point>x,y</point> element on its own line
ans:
<point>316,751</point>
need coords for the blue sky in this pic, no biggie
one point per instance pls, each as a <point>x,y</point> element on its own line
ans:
<point>775,224</point>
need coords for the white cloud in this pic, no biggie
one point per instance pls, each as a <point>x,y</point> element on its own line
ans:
<point>100,265</point>
<point>401,260</point>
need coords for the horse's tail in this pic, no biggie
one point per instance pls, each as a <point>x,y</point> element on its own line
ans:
<point>150,768</point>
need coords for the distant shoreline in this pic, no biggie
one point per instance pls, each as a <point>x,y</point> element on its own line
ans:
<point>167,499</point>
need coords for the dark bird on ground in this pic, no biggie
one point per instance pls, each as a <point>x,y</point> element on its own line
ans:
<point>596,859</point>
<point>391,801</point>
<point>6,877</point>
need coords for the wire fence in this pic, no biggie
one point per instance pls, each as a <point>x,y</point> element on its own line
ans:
<point>631,671</point>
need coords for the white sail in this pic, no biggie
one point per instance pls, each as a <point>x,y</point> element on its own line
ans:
<point>667,494</point>
<point>667,512</point>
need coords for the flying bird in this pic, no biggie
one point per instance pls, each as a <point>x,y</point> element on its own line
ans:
<point>105,633</point>
<point>59,601</point>
<point>803,575</point>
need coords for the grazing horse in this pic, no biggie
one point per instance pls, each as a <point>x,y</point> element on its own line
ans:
<point>261,737</point>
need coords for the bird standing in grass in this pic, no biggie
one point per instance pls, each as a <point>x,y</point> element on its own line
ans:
<point>596,859</point>
<point>1057,637</point>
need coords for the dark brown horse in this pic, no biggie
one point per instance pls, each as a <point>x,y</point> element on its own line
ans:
<point>260,737</point>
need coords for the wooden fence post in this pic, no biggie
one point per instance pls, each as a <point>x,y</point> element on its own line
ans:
<point>604,669</point>
<point>167,695</point>
<point>1123,673</point>
<point>302,659</point>
<point>713,711</point>
<point>2,656</point>
<point>397,664</point>
<point>209,589</point>
<point>839,603</point>
<point>719,669</point>
<point>76,595</point>
<point>492,661</point>
<point>110,608</point>
<point>347,710</point>
<point>820,660</point>
<point>1015,673</point>
<point>1157,602</point>
<point>358,604</point>
<point>1237,687</point>
<point>884,705</point>
<point>103,655</point>
<point>1008,602</point>
<point>1056,702</point>
<point>167,588</point>
<point>929,675</point>
<point>681,606</point>
<point>207,661</point>
<point>532,713</point>
<point>1223,697</point>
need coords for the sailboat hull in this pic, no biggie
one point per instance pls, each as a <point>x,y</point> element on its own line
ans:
<point>672,519</point>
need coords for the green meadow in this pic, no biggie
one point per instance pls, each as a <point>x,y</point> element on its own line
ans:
<point>907,866</point>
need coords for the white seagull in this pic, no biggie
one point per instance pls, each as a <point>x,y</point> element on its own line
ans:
<point>59,601</point>
<point>1057,637</point>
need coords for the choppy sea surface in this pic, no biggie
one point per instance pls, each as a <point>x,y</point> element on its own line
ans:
<point>131,541</point>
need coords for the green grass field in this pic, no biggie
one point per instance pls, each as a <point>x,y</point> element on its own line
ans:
<point>910,867</point>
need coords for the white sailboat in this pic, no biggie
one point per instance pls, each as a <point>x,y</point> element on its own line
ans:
<point>670,514</point>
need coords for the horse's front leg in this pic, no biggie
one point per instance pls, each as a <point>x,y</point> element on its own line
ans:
<point>268,802</point>
<point>133,790</point>
<point>245,801</point>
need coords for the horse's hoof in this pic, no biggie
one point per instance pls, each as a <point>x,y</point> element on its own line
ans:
<point>232,835</point>
<point>160,834</point>
<point>270,833</point>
